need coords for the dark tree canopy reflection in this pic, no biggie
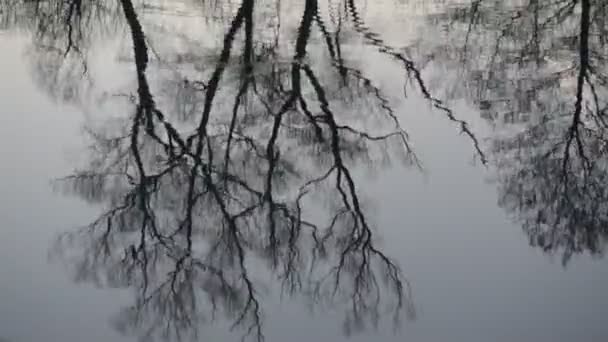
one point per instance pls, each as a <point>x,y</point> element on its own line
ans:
<point>231,167</point>
<point>537,71</point>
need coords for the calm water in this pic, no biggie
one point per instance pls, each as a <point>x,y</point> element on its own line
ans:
<point>303,170</point>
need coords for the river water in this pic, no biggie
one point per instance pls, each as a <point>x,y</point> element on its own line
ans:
<point>303,170</point>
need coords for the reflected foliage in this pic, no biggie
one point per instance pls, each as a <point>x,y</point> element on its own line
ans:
<point>536,70</point>
<point>232,166</point>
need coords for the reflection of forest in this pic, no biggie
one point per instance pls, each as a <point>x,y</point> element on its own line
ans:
<point>536,70</point>
<point>234,159</point>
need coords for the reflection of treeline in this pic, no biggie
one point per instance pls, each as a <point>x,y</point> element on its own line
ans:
<point>536,70</point>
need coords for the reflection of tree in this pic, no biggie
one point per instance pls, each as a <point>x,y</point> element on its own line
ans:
<point>63,31</point>
<point>249,175</point>
<point>537,69</point>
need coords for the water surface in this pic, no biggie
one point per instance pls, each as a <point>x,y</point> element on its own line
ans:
<point>303,170</point>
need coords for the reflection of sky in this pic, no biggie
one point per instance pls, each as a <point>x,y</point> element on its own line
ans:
<point>473,275</point>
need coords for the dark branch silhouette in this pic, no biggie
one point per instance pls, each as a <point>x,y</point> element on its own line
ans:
<point>218,180</point>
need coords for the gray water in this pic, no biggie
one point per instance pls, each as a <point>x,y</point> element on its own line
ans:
<point>303,170</point>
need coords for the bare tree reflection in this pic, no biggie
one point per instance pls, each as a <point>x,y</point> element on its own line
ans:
<point>536,70</point>
<point>63,32</point>
<point>248,176</point>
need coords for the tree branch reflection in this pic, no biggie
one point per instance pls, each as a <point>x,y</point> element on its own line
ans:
<point>201,208</point>
<point>536,70</point>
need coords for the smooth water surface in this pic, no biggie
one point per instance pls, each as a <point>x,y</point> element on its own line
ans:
<point>303,170</point>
